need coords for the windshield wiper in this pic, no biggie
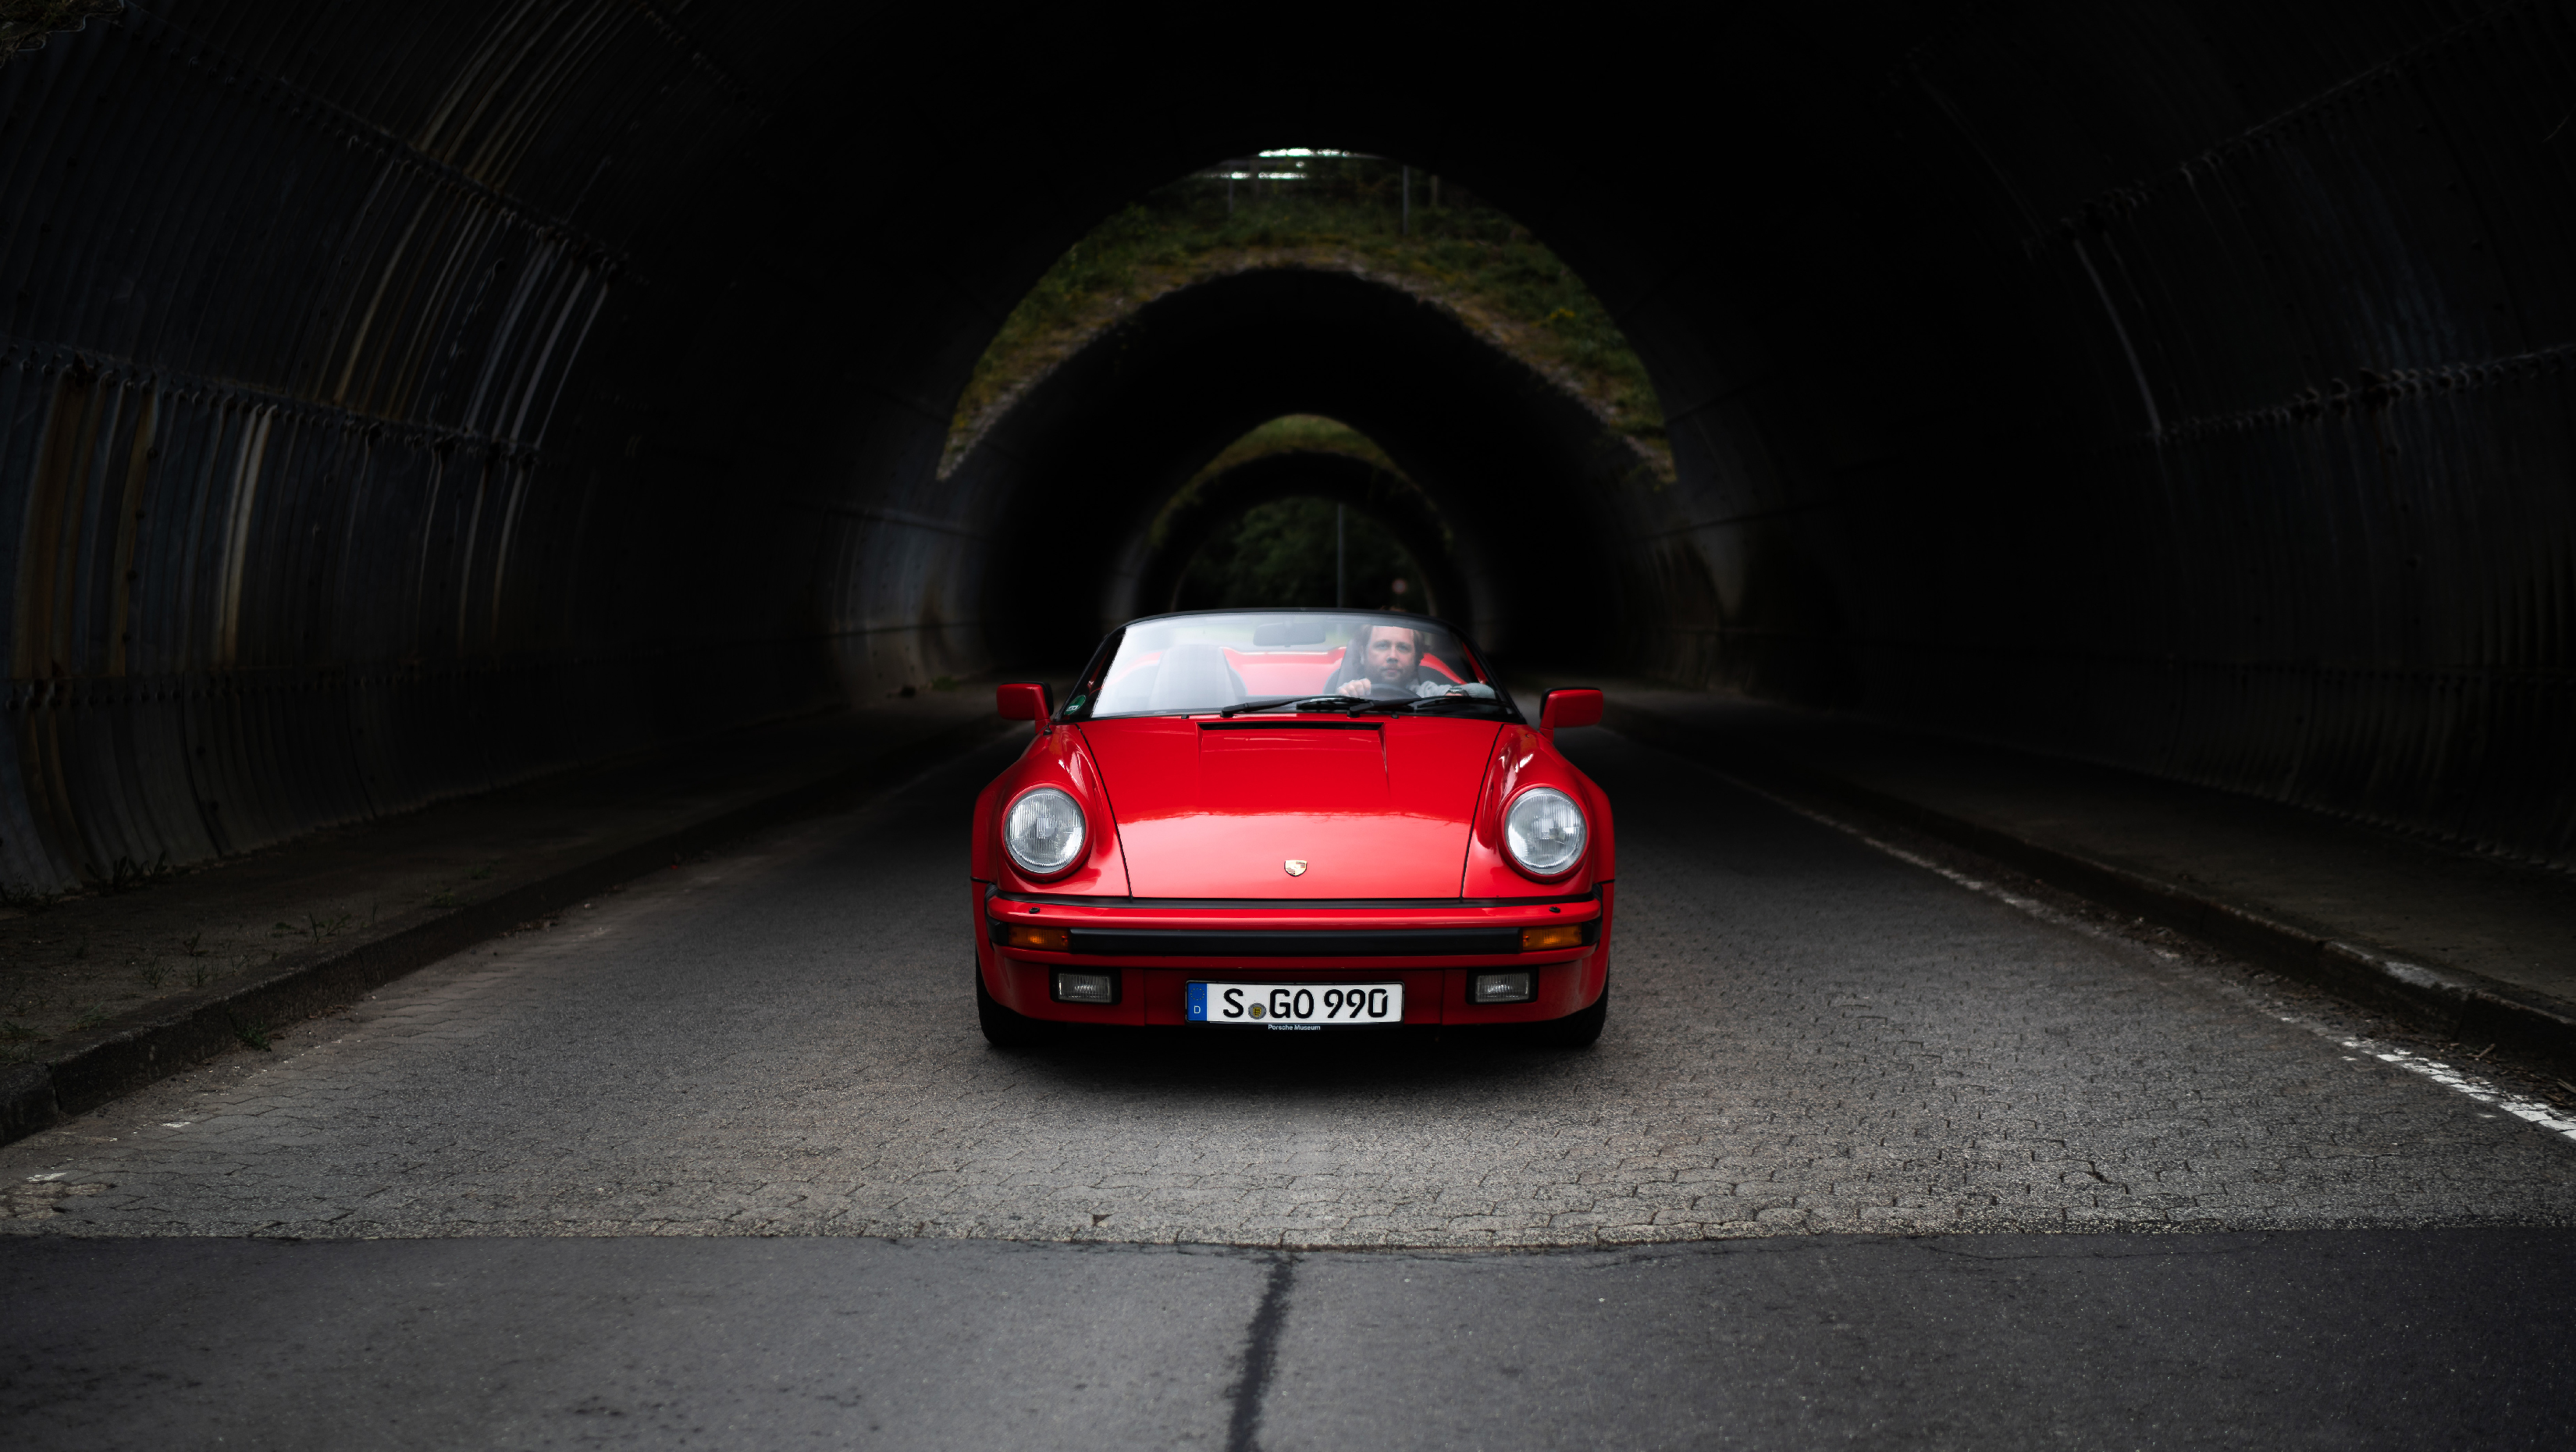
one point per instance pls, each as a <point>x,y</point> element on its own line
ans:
<point>1243,706</point>
<point>1418,702</point>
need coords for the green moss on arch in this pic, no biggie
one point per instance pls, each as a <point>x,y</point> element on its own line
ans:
<point>1461,254</point>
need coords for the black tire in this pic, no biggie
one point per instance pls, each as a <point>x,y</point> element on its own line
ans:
<point>1577,1030</point>
<point>1003,1028</point>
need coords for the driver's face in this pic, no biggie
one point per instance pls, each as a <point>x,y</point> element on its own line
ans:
<point>1392,654</point>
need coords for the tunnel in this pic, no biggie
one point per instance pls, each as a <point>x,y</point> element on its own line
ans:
<point>401,402</point>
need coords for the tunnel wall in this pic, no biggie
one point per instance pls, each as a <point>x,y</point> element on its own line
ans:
<point>315,522</point>
<point>398,400</point>
<point>2211,416</point>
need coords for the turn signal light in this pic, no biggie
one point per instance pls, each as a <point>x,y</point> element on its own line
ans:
<point>1053,940</point>
<point>1561,935</point>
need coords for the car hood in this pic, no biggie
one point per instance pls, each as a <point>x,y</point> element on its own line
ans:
<point>1358,809</point>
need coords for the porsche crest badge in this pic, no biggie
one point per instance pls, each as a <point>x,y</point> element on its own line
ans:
<point>1296,866</point>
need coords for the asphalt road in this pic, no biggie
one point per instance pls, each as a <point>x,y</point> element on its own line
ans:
<point>1823,1060</point>
<point>2299,1339</point>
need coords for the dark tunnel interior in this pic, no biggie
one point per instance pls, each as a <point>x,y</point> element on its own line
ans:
<point>398,401</point>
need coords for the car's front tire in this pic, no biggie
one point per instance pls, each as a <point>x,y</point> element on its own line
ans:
<point>1577,1030</point>
<point>1004,1028</point>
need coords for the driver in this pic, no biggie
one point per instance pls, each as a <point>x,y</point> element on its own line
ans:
<point>1392,656</point>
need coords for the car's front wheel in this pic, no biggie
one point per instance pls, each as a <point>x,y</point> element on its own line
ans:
<point>1003,1028</point>
<point>1576,1030</point>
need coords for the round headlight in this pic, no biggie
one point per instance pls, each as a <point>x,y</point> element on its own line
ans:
<point>1044,831</point>
<point>1544,831</point>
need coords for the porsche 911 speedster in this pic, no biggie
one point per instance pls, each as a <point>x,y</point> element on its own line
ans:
<point>1292,820</point>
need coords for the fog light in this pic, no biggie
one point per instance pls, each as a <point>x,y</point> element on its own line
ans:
<point>1054,940</point>
<point>1086,988</point>
<point>1563,935</point>
<point>1503,987</point>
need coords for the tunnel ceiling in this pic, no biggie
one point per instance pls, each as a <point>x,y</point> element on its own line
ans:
<point>396,400</point>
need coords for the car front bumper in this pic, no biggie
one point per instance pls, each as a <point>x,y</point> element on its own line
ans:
<point>1154,949</point>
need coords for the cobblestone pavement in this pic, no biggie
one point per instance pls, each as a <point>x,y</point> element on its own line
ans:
<point>82,964</point>
<point>1808,1035</point>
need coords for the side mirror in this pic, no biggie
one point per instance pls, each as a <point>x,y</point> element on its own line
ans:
<point>1025,703</point>
<point>1580,707</point>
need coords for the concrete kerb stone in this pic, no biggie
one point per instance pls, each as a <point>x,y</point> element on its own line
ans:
<point>125,1054</point>
<point>2446,1000</point>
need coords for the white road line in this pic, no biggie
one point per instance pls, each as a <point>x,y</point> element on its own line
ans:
<point>2458,1081</point>
<point>2465,1083</point>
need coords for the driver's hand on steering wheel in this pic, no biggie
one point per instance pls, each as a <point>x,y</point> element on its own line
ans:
<point>1359,688</point>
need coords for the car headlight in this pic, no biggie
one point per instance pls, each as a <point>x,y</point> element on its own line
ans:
<point>1544,831</point>
<point>1044,831</point>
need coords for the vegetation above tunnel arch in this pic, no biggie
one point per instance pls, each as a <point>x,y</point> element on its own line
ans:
<point>1298,432</point>
<point>1341,214</point>
<point>24,24</point>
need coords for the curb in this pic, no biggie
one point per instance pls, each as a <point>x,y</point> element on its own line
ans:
<point>166,1037</point>
<point>2450,1001</point>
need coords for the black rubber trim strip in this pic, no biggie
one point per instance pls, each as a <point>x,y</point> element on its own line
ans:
<point>1288,724</point>
<point>1295,942</point>
<point>1291,904</point>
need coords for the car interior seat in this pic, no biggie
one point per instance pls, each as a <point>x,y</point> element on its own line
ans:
<point>1196,676</point>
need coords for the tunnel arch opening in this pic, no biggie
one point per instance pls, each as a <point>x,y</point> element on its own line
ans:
<point>1499,455</point>
<point>1492,383</point>
<point>1324,209</point>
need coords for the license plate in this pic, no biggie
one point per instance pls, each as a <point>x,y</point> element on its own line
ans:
<point>1297,1005</point>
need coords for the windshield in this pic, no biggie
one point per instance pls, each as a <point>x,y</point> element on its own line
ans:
<point>1245,661</point>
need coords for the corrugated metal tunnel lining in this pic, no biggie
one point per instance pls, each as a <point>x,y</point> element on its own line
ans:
<point>400,400</point>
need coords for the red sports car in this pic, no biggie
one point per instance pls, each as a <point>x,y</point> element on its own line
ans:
<point>1292,819</point>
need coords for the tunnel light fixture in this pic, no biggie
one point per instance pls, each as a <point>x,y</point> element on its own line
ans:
<point>1305,151</point>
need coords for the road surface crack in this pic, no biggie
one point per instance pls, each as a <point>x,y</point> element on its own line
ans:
<point>1260,1353</point>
